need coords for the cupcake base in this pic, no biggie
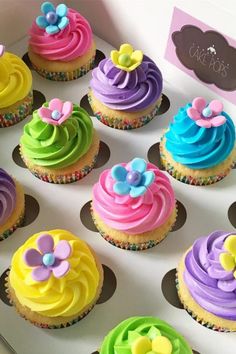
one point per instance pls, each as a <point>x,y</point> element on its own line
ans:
<point>63,71</point>
<point>129,242</point>
<point>200,315</point>
<point>196,177</point>
<point>14,114</point>
<point>17,217</point>
<point>68,174</point>
<point>122,120</point>
<point>54,322</point>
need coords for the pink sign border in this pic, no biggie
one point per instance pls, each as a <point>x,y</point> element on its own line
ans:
<point>180,19</point>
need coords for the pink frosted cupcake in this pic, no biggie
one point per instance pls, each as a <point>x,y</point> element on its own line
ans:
<point>61,46</point>
<point>133,205</point>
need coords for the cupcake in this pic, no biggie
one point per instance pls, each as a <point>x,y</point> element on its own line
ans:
<point>133,205</point>
<point>16,95</point>
<point>206,281</point>
<point>59,144</point>
<point>125,89</point>
<point>55,279</point>
<point>12,204</point>
<point>199,145</point>
<point>144,335</point>
<point>61,45</point>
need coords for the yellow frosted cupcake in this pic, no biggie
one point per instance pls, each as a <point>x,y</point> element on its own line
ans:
<point>12,204</point>
<point>126,89</point>
<point>59,145</point>
<point>55,279</point>
<point>16,96</point>
<point>61,45</point>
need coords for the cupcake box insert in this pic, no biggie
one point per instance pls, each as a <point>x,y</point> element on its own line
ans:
<point>138,274</point>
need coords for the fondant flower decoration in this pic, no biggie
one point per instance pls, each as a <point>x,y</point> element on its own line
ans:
<point>134,182</point>
<point>206,116</point>
<point>48,259</point>
<point>228,259</point>
<point>57,112</point>
<point>2,50</point>
<point>152,343</point>
<point>54,19</point>
<point>126,58</point>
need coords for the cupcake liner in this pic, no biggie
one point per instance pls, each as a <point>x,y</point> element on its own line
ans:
<point>43,325</point>
<point>64,179</point>
<point>201,321</point>
<point>66,76</point>
<point>8,232</point>
<point>127,245</point>
<point>196,181</point>
<point>119,123</point>
<point>18,114</point>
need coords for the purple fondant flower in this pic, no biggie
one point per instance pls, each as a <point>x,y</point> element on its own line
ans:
<point>48,259</point>
<point>206,116</point>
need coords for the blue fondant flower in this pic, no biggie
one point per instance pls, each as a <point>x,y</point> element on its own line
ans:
<point>133,182</point>
<point>54,19</point>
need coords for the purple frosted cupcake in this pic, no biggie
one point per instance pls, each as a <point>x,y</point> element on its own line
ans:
<point>206,281</point>
<point>12,204</point>
<point>126,89</point>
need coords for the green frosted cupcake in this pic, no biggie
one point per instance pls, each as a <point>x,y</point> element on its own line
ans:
<point>144,335</point>
<point>59,144</point>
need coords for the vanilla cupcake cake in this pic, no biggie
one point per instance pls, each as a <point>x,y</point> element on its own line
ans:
<point>206,281</point>
<point>61,45</point>
<point>133,205</point>
<point>16,95</point>
<point>126,89</point>
<point>199,145</point>
<point>59,144</point>
<point>55,279</point>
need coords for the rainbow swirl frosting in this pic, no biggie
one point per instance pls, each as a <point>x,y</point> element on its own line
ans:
<point>15,79</point>
<point>144,335</point>
<point>199,147</point>
<point>58,296</point>
<point>138,213</point>
<point>7,196</point>
<point>68,44</point>
<point>57,145</point>
<point>210,285</point>
<point>127,88</point>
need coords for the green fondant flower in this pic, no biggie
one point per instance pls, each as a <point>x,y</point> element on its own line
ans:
<point>151,343</point>
<point>228,260</point>
<point>126,58</point>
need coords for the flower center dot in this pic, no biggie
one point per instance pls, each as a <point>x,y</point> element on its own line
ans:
<point>56,115</point>
<point>48,259</point>
<point>133,178</point>
<point>124,60</point>
<point>207,112</point>
<point>51,17</point>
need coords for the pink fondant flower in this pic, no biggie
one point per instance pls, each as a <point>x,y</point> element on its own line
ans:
<point>48,259</point>
<point>206,116</point>
<point>57,112</point>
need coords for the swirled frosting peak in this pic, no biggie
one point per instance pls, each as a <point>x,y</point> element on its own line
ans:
<point>196,146</point>
<point>56,296</point>
<point>134,215</point>
<point>15,79</point>
<point>210,285</point>
<point>7,196</point>
<point>57,145</point>
<point>124,90</point>
<point>144,335</point>
<point>71,42</point>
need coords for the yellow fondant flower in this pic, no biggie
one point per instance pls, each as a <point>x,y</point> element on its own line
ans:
<point>228,260</point>
<point>159,345</point>
<point>126,58</point>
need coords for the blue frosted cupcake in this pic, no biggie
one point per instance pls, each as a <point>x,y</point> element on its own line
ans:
<point>199,145</point>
